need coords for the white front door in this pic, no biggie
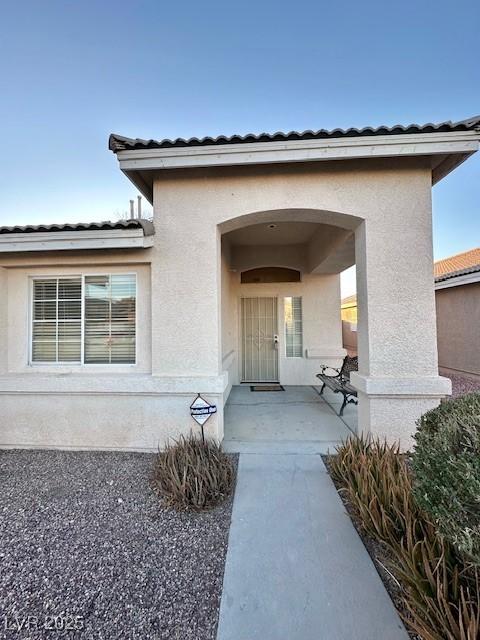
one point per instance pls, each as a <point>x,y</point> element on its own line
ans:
<point>259,329</point>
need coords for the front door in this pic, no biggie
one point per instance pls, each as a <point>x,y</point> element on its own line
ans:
<point>259,329</point>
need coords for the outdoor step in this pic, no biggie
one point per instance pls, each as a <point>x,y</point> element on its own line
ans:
<point>280,446</point>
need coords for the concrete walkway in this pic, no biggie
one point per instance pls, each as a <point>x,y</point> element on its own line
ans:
<point>296,568</point>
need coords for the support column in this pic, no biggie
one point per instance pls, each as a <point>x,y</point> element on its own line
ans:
<point>185,276</point>
<point>398,377</point>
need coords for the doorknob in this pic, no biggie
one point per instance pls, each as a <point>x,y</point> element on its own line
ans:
<point>275,341</point>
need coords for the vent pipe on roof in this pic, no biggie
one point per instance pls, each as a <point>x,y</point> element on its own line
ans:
<point>139,207</point>
<point>132,210</point>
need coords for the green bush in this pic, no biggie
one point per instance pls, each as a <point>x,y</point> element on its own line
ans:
<point>446,466</point>
<point>192,474</point>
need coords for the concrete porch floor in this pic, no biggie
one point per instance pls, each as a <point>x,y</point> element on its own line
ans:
<point>297,420</point>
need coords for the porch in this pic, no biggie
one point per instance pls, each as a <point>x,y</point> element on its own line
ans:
<point>297,420</point>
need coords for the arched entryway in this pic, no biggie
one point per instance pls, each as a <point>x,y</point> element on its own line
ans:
<point>280,318</point>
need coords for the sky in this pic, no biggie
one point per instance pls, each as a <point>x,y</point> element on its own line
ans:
<point>73,72</point>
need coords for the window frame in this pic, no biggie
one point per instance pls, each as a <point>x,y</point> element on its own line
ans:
<point>285,329</point>
<point>81,363</point>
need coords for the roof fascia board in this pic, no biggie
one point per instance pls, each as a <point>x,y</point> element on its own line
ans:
<point>74,240</point>
<point>458,142</point>
<point>456,281</point>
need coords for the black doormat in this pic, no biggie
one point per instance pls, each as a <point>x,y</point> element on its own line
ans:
<point>266,387</point>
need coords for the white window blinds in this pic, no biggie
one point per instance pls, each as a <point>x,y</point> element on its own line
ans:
<point>293,327</point>
<point>110,319</point>
<point>57,320</point>
<point>90,320</point>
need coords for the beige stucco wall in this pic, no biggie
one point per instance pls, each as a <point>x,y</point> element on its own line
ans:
<point>458,327</point>
<point>3,319</point>
<point>186,327</point>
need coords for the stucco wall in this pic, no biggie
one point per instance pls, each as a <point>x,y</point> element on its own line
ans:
<point>228,321</point>
<point>3,320</point>
<point>458,327</point>
<point>386,203</point>
<point>128,414</point>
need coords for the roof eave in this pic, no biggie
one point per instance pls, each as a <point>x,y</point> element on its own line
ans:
<point>456,278</point>
<point>451,148</point>
<point>75,240</point>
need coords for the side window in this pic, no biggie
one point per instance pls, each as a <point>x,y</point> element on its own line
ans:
<point>293,327</point>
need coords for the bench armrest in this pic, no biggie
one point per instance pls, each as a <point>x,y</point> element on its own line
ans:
<point>324,368</point>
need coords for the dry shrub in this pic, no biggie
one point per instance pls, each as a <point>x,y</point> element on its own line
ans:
<point>440,590</point>
<point>192,474</point>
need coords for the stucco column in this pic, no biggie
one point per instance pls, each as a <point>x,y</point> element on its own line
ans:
<point>3,320</point>
<point>185,289</point>
<point>398,371</point>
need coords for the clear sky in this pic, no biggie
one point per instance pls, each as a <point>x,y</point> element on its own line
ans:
<point>72,72</point>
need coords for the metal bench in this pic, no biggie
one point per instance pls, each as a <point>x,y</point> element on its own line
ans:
<point>339,382</point>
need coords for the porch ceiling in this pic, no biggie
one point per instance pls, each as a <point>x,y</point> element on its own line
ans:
<point>274,233</point>
<point>307,246</point>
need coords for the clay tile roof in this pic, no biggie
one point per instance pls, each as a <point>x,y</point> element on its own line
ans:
<point>460,264</point>
<point>136,223</point>
<point>118,143</point>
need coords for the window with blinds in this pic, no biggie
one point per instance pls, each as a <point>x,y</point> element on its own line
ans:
<point>57,320</point>
<point>110,319</point>
<point>90,320</point>
<point>293,327</point>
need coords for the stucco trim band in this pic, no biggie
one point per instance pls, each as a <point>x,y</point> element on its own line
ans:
<point>130,385</point>
<point>432,387</point>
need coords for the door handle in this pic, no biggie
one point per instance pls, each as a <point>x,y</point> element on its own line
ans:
<point>275,341</point>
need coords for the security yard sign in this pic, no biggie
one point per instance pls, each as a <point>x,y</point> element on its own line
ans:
<point>201,410</point>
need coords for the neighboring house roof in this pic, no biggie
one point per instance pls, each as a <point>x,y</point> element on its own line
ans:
<point>146,225</point>
<point>457,265</point>
<point>350,301</point>
<point>121,143</point>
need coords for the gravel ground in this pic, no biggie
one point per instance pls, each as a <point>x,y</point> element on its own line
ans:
<point>462,385</point>
<point>83,534</point>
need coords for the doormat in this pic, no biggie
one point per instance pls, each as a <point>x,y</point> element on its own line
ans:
<point>266,387</point>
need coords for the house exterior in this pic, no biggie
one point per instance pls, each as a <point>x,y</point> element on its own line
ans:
<point>349,309</point>
<point>457,298</point>
<point>109,331</point>
<point>349,314</point>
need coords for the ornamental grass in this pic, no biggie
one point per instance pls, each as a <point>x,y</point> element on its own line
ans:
<point>193,474</point>
<point>440,587</point>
